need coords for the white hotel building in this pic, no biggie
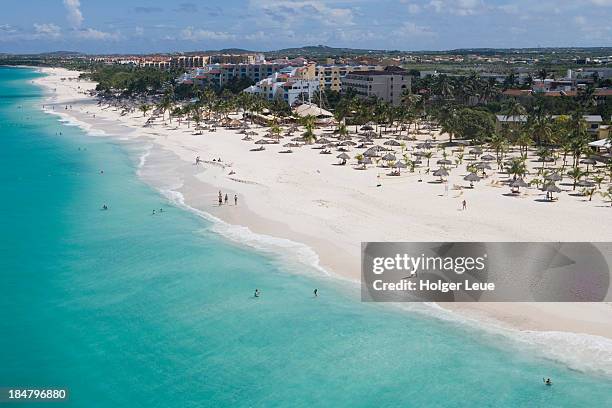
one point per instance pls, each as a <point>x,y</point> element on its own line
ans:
<point>289,84</point>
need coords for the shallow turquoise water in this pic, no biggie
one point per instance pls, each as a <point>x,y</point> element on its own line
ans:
<point>126,309</point>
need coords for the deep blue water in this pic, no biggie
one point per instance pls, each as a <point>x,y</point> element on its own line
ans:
<point>127,309</point>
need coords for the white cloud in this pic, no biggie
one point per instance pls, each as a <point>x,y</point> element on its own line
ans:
<point>49,30</point>
<point>288,13</point>
<point>192,34</point>
<point>410,29</point>
<point>580,20</point>
<point>458,7</point>
<point>93,34</point>
<point>258,36</point>
<point>7,29</point>
<point>602,2</point>
<point>414,8</point>
<point>75,17</point>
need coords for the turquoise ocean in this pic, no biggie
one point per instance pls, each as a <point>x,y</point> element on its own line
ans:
<point>127,309</point>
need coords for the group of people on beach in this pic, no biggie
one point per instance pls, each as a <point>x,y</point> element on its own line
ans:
<point>224,200</point>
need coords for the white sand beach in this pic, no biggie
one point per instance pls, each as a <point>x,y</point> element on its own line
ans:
<point>306,197</point>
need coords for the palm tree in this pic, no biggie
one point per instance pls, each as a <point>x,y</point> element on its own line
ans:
<point>514,109</point>
<point>448,118</point>
<point>342,130</point>
<point>566,148</point>
<point>275,129</point>
<point>524,141</point>
<point>428,156</point>
<point>578,136</point>
<point>589,192</point>
<point>164,105</point>
<point>598,179</point>
<point>516,168</point>
<point>576,174</point>
<point>196,115</point>
<point>607,195</point>
<point>309,125</point>
<point>544,153</point>
<point>144,108</point>
<point>499,144</point>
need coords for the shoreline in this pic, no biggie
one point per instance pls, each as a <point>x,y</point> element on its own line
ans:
<point>320,216</point>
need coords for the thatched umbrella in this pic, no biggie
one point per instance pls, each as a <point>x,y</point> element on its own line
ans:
<point>517,184</point>
<point>344,157</point>
<point>472,177</point>
<point>367,127</point>
<point>589,162</point>
<point>365,161</point>
<point>585,183</point>
<point>488,157</point>
<point>444,162</point>
<point>392,143</point>
<point>441,172</point>
<point>483,166</point>
<point>475,151</point>
<point>550,189</point>
<point>389,157</point>
<point>425,145</point>
<point>553,177</point>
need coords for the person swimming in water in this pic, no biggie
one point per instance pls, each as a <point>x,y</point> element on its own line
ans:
<point>316,292</point>
<point>105,207</point>
<point>256,294</point>
<point>547,381</point>
<point>153,212</point>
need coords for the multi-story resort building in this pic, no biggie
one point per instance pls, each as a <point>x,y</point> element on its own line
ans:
<point>220,74</point>
<point>387,85</point>
<point>196,61</point>
<point>330,76</point>
<point>290,84</point>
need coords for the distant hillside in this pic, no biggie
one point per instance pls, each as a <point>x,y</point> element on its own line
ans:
<point>324,51</point>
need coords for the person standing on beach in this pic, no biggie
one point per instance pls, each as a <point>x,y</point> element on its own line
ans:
<point>464,204</point>
<point>226,199</point>
<point>235,199</point>
<point>220,198</point>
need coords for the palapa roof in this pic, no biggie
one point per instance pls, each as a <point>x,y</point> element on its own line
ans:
<point>308,109</point>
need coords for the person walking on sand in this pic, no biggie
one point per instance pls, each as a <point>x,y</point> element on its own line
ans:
<point>235,199</point>
<point>464,204</point>
<point>226,199</point>
<point>220,198</point>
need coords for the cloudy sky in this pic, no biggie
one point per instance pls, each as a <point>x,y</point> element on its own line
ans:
<point>125,26</point>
